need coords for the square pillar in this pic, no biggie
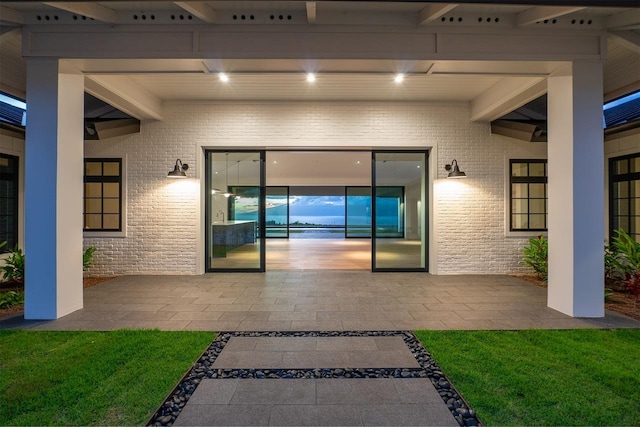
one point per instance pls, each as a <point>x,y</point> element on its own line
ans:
<point>53,190</point>
<point>576,191</point>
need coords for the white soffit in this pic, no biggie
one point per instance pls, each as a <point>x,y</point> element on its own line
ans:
<point>327,87</point>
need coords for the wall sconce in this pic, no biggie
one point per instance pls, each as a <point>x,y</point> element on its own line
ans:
<point>456,173</point>
<point>178,170</point>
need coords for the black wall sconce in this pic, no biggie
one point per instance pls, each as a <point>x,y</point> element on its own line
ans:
<point>456,173</point>
<point>178,170</point>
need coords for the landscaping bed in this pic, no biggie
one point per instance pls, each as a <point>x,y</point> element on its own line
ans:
<point>87,282</point>
<point>620,300</point>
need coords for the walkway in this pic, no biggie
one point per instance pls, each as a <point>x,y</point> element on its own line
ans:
<point>324,378</point>
<point>317,301</point>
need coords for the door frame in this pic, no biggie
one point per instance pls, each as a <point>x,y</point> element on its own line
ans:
<point>426,223</point>
<point>261,212</point>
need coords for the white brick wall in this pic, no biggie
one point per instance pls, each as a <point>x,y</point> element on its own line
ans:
<point>163,215</point>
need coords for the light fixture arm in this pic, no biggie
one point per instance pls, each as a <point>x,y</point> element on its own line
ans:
<point>456,172</point>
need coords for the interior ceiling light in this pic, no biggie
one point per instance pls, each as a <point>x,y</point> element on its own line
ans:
<point>399,78</point>
<point>311,77</point>
<point>223,77</point>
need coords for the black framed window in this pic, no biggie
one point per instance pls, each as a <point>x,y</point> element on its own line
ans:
<point>9,181</point>
<point>528,195</point>
<point>624,195</point>
<point>103,194</point>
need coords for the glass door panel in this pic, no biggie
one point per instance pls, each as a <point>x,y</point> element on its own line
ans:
<point>234,211</point>
<point>399,220</point>
<point>277,212</point>
<point>358,212</point>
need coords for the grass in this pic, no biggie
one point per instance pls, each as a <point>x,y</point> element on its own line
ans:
<point>541,377</point>
<point>91,378</point>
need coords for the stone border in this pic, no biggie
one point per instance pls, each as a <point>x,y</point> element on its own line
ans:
<point>167,413</point>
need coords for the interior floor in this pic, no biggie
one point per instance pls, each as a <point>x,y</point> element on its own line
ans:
<point>325,254</point>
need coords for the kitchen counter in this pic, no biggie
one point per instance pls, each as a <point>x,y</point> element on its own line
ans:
<point>229,235</point>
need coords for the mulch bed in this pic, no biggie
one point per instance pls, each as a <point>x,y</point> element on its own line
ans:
<point>621,301</point>
<point>87,282</point>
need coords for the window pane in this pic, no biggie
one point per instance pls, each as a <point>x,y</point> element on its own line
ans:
<point>635,189</point>
<point>93,189</point>
<point>537,221</point>
<point>537,206</point>
<point>111,221</point>
<point>92,221</point>
<point>635,164</point>
<point>621,189</point>
<point>519,191</point>
<point>537,190</point>
<point>622,166</point>
<point>519,206</point>
<point>111,189</point>
<point>519,222</point>
<point>111,168</point>
<point>93,168</point>
<point>621,207</point>
<point>635,222</point>
<point>112,206</point>
<point>623,222</point>
<point>93,206</point>
<point>536,169</point>
<point>519,169</point>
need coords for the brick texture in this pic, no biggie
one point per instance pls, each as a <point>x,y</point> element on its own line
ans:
<point>162,215</point>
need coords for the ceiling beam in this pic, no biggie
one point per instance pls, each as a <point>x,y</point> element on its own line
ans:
<point>311,12</point>
<point>122,93</point>
<point>505,96</point>
<point>629,39</point>
<point>88,9</point>
<point>10,16</point>
<point>200,10</point>
<point>542,13</point>
<point>627,20</point>
<point>9,33</point>
<point>434,11</point>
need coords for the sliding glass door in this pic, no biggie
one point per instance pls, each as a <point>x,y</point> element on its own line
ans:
<point>399,241</point>
<point>358,212</point>
<point>234,216</point>
<point>277,215</point>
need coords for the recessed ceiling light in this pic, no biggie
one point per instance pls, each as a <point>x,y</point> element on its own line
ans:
<point>399,78</point>
<point>418,166</point>
<point>357,162</point>
<point>311,77</point>
<point>223,77</point>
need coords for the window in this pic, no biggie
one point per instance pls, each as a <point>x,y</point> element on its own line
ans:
<point>528,180</point>
<point>103,194</point>
<point>624,195</point>
<point>8,201</point>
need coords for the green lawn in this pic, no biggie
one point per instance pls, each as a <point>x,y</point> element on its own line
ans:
<point>91,378</point>
<point>538,377</point>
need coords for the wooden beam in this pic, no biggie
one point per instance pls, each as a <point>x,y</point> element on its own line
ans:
<point>10,16</point>
<point>505,96</point>
<point>125,95</point>
<point>627,20</point>
<point>542,13</point>
<point>311,12</point>
<point>200,10</point>
<point>434,11</point>
<point>629,39</point>
<point>88,9</point>
<point>9,33</point>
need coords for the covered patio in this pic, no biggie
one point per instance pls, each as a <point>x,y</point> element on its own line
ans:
<point>317,301</point>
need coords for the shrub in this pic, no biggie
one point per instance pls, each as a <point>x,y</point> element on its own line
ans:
<point>87,258</point>
<point>13,270</point>
<point>536,256</point>
<point>11,298</point>
<point>627,252</point>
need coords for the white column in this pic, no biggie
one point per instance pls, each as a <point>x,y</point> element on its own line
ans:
<point>53,191</point>
<point>576,192</point>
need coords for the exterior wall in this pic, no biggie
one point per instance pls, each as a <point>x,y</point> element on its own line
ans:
<point>616,148</point>
<point>15,147</point>
<point>163,215</point>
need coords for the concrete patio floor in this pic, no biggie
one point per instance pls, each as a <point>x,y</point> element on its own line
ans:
<point>317,300</point>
